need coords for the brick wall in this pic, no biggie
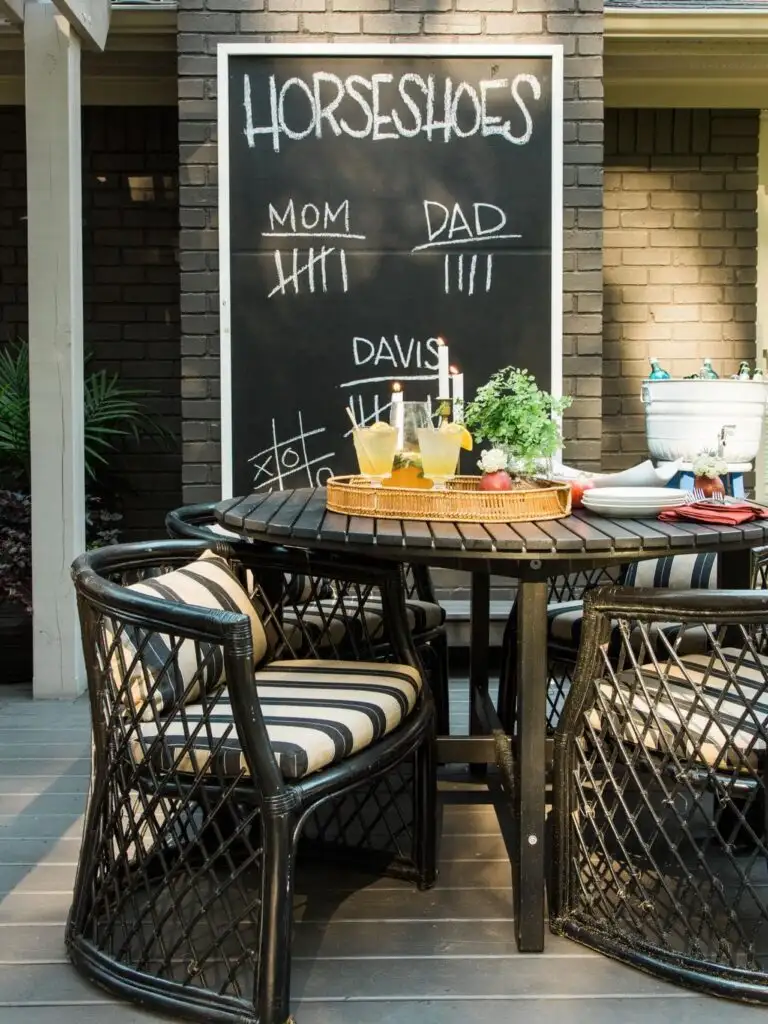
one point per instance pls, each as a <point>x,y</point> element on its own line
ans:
<point>577,24</point>
<point>130,275</point>
<point>680,254</point>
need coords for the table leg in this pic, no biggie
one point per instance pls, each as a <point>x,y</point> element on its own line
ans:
<point>479,641</point>
<point>530,790</point>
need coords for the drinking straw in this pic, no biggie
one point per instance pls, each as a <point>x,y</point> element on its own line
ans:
<point>358,430</point>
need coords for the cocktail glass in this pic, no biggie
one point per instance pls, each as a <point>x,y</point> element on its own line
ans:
<point>375,448</point>
<point>439,455</point>
<point>415,415</point>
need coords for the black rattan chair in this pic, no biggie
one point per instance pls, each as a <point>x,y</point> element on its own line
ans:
<point>204,791</point>
<point>425,615</point>
<point>565,597</point>
<point>661,855</point>
<point>565,613</point>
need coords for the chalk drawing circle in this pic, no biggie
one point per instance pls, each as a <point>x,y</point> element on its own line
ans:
<point>290,458</point>
<point>321,482</point>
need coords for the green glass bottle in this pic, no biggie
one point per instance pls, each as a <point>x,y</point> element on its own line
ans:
<point>758,374</point>
<point>743,373</point>
<point>657,373</point>
<point>707,372</point>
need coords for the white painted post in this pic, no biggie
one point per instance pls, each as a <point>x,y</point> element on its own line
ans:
<point>761,355</point>
<point>55,282</point>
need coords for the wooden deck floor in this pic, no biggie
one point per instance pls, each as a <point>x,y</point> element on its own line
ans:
<point>386,954</point>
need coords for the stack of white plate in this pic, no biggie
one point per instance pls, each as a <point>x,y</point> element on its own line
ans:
<point>637,502</point>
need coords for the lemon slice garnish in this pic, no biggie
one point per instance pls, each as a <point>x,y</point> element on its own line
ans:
<point>466,438</point>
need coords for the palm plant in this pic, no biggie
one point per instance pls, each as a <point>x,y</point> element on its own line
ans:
<point>110,411</point>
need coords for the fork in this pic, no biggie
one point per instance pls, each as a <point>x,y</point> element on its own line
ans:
<point>697,495</point>
<point>716,499</point>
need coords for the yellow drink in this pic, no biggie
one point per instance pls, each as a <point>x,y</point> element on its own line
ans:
<point>375,448</point>
<point>439,454</point>
<point>407,472</point>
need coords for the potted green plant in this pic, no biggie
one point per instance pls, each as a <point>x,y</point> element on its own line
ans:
<point>111,411</point>
<point>519,420</point>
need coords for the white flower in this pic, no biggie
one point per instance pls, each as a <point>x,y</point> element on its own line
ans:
<point>709,464</point>
<point>493,460</point>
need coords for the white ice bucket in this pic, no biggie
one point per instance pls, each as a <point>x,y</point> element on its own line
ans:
<point>685,417</point>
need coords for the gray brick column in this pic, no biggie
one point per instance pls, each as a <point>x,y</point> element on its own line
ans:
<point>577,24</point>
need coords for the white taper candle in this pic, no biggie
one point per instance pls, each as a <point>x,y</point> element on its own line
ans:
<point>457,394</point>
<point>397,418</point>
<point>443,372</point>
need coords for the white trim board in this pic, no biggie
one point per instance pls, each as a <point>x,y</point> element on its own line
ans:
<point>225,50</point>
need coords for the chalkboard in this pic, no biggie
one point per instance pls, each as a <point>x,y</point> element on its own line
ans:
<point>372,200</point>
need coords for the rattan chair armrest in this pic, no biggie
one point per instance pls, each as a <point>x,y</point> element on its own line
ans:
<point>647,604</point>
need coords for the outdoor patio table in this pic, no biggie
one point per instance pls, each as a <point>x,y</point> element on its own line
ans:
<point>531,552</point>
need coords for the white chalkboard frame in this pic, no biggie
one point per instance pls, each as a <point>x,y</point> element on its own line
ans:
<point>226,50</point>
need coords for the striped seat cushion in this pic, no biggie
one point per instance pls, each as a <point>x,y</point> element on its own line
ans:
<point>717,717</point>
<point>157,669</point>
<point>316,713</point>
<point>331,626</point>
<point>673,572</point>
<point>422,616</point>
<point>564,622</point>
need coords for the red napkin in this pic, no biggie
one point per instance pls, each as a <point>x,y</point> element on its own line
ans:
<point>733,514</point>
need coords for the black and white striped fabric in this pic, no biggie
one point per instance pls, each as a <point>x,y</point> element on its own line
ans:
<point>316,713</point>
<point>712,709</point>
<point>334,623</point>
<point>156,670</point>
<point>672,572</point>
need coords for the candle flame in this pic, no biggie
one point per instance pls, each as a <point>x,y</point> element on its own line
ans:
<point>454,370</point>
<point>397,387</point>
<point>440,341</point>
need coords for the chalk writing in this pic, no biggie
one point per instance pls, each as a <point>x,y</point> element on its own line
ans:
<point>383,107</point>
<point>452,227</point>
<point>455,278</point>
<point>311,222</point>
<point>308,224</point>
<point>314,265</point>
<point>283,459</point>
<point>399,353</point>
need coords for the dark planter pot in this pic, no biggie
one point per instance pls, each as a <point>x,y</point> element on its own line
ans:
<point>15,644</point>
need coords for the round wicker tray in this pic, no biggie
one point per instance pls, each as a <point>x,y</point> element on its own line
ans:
<point>462,501</point>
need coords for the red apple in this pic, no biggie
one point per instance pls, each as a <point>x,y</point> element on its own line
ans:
<point>577,490</point>
<point>498,481</point>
